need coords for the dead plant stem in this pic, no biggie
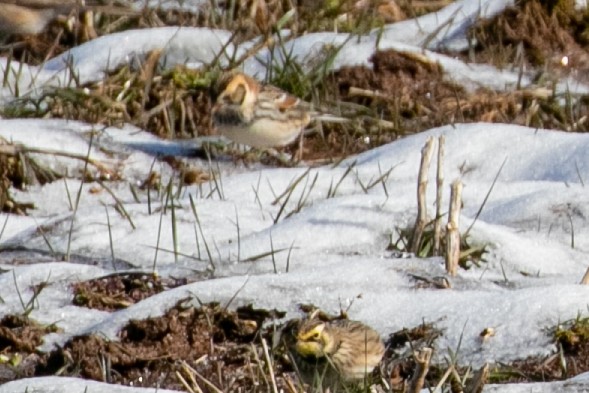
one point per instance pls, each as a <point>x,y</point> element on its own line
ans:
<point>453,243</point>
<point>421,220</point>
<point>439,189</point>
<point>422,358</point>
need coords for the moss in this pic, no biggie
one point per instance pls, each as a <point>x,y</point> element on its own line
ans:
<point>572,335</point>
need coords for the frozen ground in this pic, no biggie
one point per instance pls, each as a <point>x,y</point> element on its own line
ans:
<point>337,241</point>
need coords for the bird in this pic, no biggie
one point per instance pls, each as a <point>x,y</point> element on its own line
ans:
<point>261,116</point>
<point>350,348</point>
<point>16,19</point>
<point>30,17</point>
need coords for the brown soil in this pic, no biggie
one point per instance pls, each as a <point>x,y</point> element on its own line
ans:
<point>412,94</point>
<point>19,336</point>
<point>120,290</point>
<point>538,34</point>
<point>209,339</point>
<point>399,363</point>
<point>398,96</point>
<point>224,347</point>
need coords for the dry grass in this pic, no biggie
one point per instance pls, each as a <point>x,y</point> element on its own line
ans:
<point>399,94</point>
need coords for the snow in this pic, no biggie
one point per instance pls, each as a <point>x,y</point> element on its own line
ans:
<point>330,247</point>
<point>445,28</point>
<point>181,45</point>
<point>338,240</point>
<point>70,385</point>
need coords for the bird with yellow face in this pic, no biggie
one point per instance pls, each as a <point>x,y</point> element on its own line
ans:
<point>345,349</point>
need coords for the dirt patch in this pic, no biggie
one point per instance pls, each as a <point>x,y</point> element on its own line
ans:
<point>67,30</point>
<point>404,94</point>
<point>119,291</point>
<point>19,336</point>
<point>570,359</point>
<point>410,94</point>
<point>537,34</point>
<point>210,339</point>
<point>224,348</point>
<point>9,173</point>
<point>402,88</point>
<point>398,96</point>
<point>399,363</point>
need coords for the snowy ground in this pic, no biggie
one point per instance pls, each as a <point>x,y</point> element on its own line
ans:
<point>337,243</point>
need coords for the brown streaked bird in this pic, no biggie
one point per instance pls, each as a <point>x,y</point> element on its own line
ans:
<point>15,19</point>
<point>353,348</point>
<point>261,116</point>
<point>33,16</point>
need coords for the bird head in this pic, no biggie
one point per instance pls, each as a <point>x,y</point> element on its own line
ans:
<point>315,339</point>
<point>240,91</point>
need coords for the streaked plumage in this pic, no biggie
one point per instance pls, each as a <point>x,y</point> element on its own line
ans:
<point>353,348</point>
<point>261,116</point>
<point>16,19</point>
<point>33,16</point>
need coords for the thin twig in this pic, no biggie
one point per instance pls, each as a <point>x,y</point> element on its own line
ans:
<point>121,208</point>
<point>226,306</point>
<point>579,174</point>
<point>439,189</point>
<point>270,367</point>
<point>259,363</point>
<point>486,198</point>
<point>78,197</point>
<point>110,241</point>
<point>443,379</point>
<point>585,279</point>
<point>478,381</point>
<point>14,150</point>
<point>202,378</point>
<point>453,234</point>
<point>186,385</point>
<point>4,226</point>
